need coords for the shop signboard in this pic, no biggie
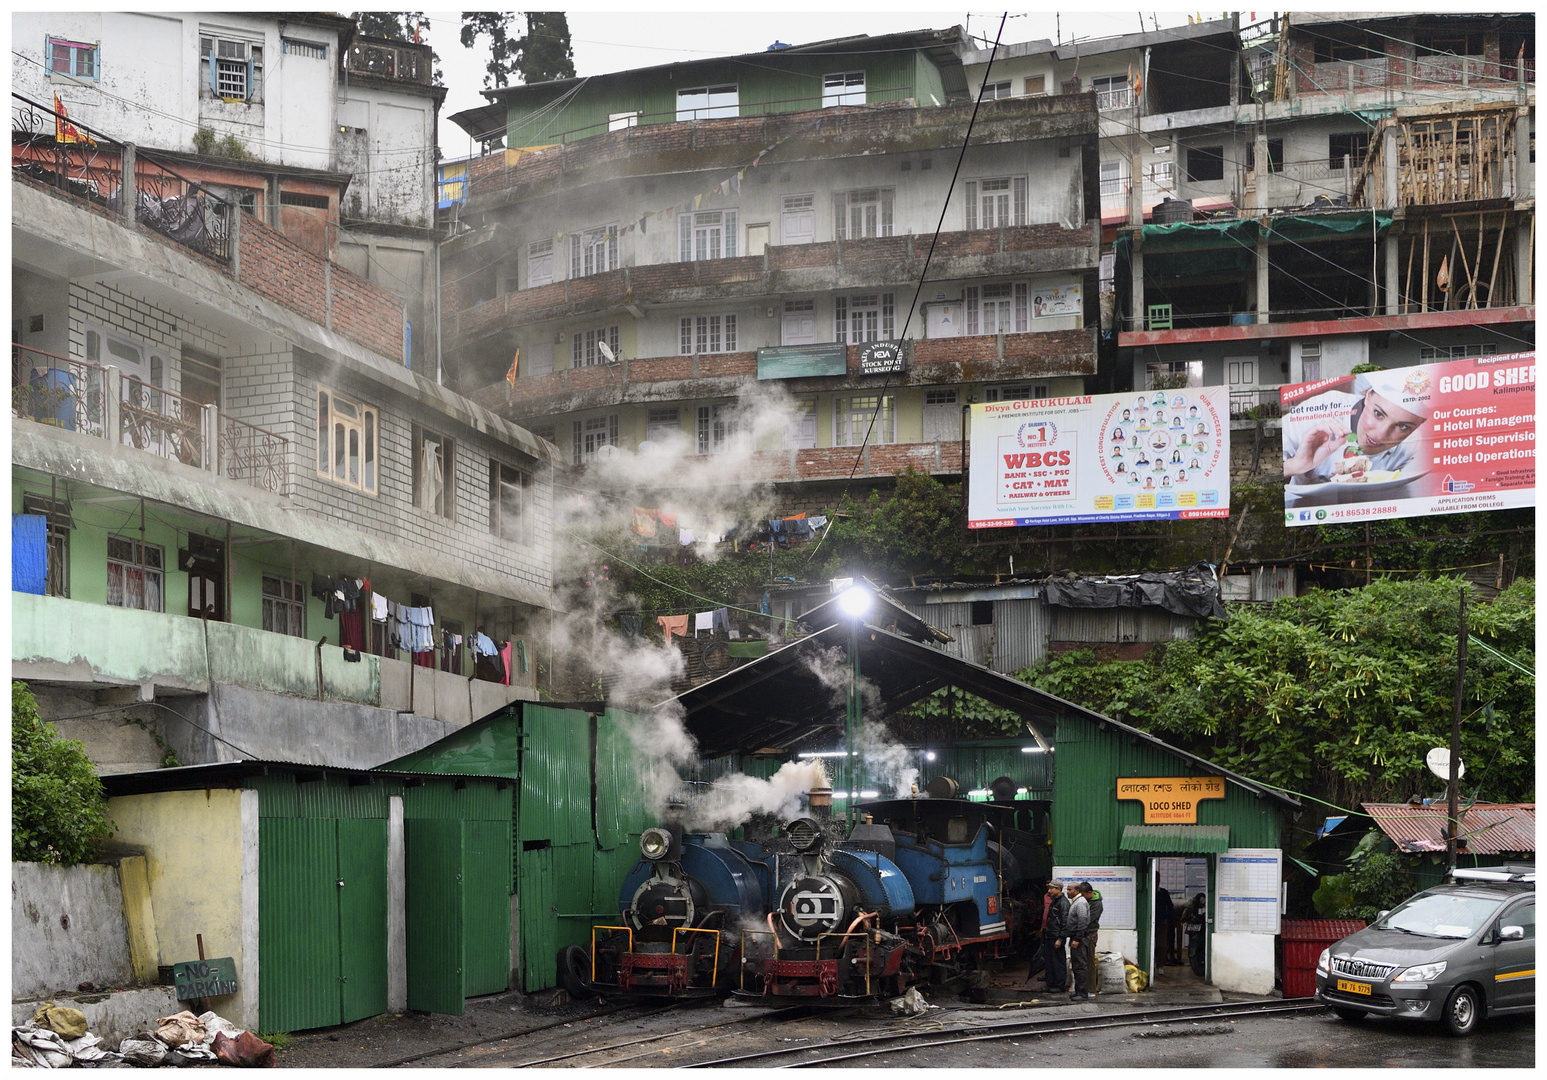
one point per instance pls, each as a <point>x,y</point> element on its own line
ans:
<point>1448,438</point>
<point>1143,456</point>
<point>881,358</point>
<point>1049,302</point>
<point>1171,800</point>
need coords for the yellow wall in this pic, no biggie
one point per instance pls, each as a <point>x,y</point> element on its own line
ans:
<point>196,859</point>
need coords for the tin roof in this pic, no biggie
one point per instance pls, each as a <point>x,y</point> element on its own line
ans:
<point>230,774</point>
<point>1176,839</point>
<point>1487,828</point>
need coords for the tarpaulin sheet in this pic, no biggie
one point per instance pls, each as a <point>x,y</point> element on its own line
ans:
<point>29,553</point>
<point>1194,591</point>
<point>1230,244</point>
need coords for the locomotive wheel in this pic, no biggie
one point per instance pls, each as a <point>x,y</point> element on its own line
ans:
<point>574,971</point>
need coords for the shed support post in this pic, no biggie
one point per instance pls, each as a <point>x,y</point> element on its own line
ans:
<point>1393,297</point>
<point>1136,313</point>
<point>1262,279</point>
<point>397,934</point>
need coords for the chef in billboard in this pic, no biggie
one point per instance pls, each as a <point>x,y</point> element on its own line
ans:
<point>1357,437</point>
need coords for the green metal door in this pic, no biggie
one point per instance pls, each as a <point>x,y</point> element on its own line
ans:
<point>433,915</point>
<point>486,906</point>
<point>298,923</point>
<point>539,938</point>
<point>362,917</point>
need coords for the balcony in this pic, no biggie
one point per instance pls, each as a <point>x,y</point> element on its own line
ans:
<point>103,403</point>
<point>399,61</point>
<point>1254,404</point>
<point>50,149</point>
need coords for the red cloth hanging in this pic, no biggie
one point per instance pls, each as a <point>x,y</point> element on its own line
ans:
<point>351,629</point>
<point>425,659</point>
<point>505,655</point>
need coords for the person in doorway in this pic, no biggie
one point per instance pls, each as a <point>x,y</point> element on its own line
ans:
<point>1165,916</point>
<point>1092,929</point>
<point>1075,929</point>
<point>1196,920</point>
<point>1055,911</point>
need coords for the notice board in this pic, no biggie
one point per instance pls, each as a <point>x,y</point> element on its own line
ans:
<point>1117,889</point>
<point>1248,890</point>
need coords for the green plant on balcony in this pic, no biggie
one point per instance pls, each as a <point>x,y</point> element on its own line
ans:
<point>58,814</point>
<point>232,147</point>
<point>204,141</point>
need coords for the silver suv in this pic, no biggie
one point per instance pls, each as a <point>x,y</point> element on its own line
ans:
<point>1454,953</point>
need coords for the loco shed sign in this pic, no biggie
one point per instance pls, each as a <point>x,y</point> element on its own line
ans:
<point>1171,800</point>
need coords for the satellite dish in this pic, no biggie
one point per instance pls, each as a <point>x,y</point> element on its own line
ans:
<point>606,351</point>
<point>607,453</point>
<point>1438,761</point>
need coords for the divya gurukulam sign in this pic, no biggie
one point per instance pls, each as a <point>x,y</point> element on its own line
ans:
<point>1448,438</point>
<point>1141,456</point>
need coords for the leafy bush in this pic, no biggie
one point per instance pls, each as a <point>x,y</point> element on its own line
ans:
<point>58,814</point>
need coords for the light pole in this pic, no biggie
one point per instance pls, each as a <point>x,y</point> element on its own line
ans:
<point>855,603</point>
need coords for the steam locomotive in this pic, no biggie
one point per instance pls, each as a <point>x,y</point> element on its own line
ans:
<point>921,890</point>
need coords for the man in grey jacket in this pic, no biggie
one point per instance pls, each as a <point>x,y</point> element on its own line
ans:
<point>1076,923</point>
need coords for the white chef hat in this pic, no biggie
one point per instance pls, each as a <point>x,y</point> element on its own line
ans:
<point>1406,388</point>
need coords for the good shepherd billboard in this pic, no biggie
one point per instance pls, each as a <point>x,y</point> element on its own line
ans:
<point>1112,457</point>
<point>1444,438</point>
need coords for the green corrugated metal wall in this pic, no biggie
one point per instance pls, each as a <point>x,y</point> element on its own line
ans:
<point>298,946</point>
<point>795,85</point>
<point>433,911</point>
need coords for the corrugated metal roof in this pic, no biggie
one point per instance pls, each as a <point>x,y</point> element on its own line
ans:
<point>1488,828</point>
<point>1176,839</point>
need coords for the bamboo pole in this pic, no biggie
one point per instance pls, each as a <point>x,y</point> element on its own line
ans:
<point>1425,306</point>
<point>1450,271</point>
<point>1458,246</point>
<point>1407,286</point>
<point>1498,251</point>
<point>1477,263</point>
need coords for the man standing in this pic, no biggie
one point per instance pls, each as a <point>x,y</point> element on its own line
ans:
<point>1165,915</point>
<point>1092,928</point>
<point>1074,928</point>
<point>1055,910</point>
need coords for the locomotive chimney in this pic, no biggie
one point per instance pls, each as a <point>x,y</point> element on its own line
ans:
<point>675,809</point>
<point>820,802</point>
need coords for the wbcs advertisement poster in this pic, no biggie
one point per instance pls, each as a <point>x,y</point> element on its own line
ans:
<point>1446,438</point>
<point>1110,457</point>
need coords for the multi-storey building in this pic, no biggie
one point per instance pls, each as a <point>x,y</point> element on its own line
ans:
<point>209,416</point>
<point>656,241</point>
<point>325,135</point>
<point>1382,149</point>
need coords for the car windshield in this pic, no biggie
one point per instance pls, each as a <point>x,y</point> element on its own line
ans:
<point>1446,915</point>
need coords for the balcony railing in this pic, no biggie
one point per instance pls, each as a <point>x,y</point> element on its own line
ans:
<point>59,151</point>
<point>1107,100</point>
<point>1254,404</point>
<point>104,403</point>
<point>58,391</point>
<point>389,60</point>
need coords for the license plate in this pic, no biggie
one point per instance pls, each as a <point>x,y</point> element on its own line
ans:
<point>1353,987</point>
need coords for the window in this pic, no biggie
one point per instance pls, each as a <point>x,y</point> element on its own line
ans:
<point>311,49</point>
<point>982,613</point>
<point>1036,84</point>
<point>1523,916</point>
<point>594,251</point>
<point>1002,308</point>
<point>1310,361</point>
<point>1241,372</point>
<point>1112,92</point>
<point>1205,163</point>
<point>863,213</point>
<point>1352,45</point>
<point>942,416</point>
<point>1014,392</point>
<point>346,441</point>
<point>1114,178</point>
<point>1162,175</point>
<point>619,120</point>
<point>135,574</point>
<point>798,222</point>
<point>435,474</point>
<point>510,499</point>
<point>1173,375</point>
<point>799,323</point>
<point>585,348</point>
<point>852,418</point>
<point>1353,145</point>
<point>707,235</point>
<point>869,317</point>
<point>843,88</point>
<point>995,90</point>
<point>717,426</point>
<point>539,263</point>
<point>1448,43</point>
<point>707,334</point>
<point>591,434</point>
<point>663,425</point>
<point>800,426</point>
<point>707,102</point>
<point>233,69</point>
<point>996,202</point>
<point>284,606</point>
<point>73,58</point>
<point>1275,156</point>
<point>1449,352</point>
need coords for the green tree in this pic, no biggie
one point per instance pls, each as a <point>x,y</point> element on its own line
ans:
<point>541,54</point>
<point>393,25</point>
<point>58,814</point>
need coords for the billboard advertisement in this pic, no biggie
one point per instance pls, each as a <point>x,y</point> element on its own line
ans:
<point>1447,438</point>
<point>1142,456</point>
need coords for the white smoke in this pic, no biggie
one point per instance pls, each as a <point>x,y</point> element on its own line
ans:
<point>730,801</point>
<point>884,762</point>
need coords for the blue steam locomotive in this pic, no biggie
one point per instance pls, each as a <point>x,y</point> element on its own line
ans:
<point>921,890</point>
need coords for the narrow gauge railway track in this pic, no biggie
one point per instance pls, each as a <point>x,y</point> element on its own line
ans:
<point>785,1015</point>
<point>520,1033</point>
<point>901,1042</point>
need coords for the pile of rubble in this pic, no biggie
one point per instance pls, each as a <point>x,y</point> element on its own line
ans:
<point>56,1038</point>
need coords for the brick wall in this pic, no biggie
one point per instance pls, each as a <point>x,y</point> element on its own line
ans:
<point>162,332</point>
<point>366,313</point>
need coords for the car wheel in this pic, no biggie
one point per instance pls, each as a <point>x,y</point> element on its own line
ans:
<point>1462,1010</point>
<point>1351,1015</point>
<point>574,971</point>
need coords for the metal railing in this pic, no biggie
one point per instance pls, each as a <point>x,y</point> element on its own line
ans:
<point>388,60</point>
<point>64,153</point>
<point>58,391</point>
<point>254,455</point>
<point>161,422</point>
<point>1254,404</point>
<point>1107,100</point>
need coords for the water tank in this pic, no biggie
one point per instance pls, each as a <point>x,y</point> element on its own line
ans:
<point>1170,211</point>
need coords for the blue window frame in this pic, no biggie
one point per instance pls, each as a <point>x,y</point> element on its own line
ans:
<point>74,58</point>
